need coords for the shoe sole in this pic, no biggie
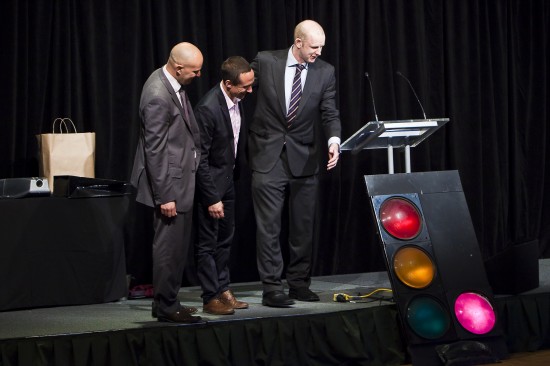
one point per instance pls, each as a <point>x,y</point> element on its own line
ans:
<point>307,300</point>
<point>272,305</point>
<point>193,321</point>
<point>215,313</point>
<point>190,312</point>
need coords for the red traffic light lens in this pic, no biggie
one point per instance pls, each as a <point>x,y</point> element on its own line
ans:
<point>400,218</point>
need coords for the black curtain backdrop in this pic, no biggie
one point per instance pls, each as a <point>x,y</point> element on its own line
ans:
<point>482,63</point>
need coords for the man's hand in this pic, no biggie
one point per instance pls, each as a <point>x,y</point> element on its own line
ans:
<point>168,209</point>
<point>216,210</point>
<point>333,155</point>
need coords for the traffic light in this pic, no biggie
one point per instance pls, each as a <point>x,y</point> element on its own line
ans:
<point>434,264</point>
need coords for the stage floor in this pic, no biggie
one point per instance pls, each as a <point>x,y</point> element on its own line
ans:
<point>130,314</point>
<point>327,332</point>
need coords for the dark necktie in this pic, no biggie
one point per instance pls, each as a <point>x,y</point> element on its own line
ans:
<point>183,100</point>
<point>295,95</point>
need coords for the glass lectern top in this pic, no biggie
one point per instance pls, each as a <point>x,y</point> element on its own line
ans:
<point>365,134</point>
<point>397,133</point>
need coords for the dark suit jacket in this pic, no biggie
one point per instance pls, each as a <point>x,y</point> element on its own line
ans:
<point>216,169</point>
<point>268,129</point>
<point>168,150</point>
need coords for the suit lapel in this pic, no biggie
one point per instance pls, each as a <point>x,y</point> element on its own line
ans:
<point>190,122</point>
<point>171,91</point>
<point>279,68</point>
<point>279,78</point>
<point>312,81</point>
<point>225,113</point>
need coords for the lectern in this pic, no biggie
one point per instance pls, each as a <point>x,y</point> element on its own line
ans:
<point>393,134</point>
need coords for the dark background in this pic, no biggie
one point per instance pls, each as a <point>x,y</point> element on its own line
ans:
<point>482,63</point>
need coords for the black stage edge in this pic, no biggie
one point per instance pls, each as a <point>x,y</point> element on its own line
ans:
<point>323,333</point>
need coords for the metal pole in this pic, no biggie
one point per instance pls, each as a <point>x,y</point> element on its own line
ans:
<point>390,159</point>
<point>407,158</point>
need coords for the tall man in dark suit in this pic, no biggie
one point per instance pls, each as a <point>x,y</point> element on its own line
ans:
<point>167,158</point>
<point>284,156</point>
<point>220,118</point>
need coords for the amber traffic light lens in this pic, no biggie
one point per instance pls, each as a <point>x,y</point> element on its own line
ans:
<point>413,267</point>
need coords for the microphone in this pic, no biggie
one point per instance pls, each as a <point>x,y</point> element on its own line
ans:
<point>372,95</point>
<point>417,99</point>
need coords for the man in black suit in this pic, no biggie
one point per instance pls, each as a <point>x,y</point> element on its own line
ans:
<point>166,160</point>
<point>220,117</point>
<point>284,156</point>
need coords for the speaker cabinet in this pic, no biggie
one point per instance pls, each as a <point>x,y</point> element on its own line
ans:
<point>515,270</point>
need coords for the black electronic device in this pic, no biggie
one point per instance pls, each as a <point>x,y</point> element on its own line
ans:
<point>24,187</point>
<point>81,187</point>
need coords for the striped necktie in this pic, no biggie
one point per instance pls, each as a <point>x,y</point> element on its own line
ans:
<point>295,95</point>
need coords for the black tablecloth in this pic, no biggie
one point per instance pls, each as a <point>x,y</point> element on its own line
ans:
<point>59,251</point>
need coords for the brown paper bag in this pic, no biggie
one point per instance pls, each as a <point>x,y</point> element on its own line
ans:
<point>66,153</point>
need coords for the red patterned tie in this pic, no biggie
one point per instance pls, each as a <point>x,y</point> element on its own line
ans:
<point>295,95</point>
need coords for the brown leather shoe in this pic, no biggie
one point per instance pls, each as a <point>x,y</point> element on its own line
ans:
<point>180,317</point>
<point>228,298</point>
<point>216,307</point>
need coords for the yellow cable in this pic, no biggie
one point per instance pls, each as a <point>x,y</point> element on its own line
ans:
<point>347,297</point>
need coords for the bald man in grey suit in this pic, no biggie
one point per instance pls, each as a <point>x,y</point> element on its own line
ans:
<point>167,157</point>
<point>284,157</point>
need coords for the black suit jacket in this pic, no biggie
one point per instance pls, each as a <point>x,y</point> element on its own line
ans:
<point>268,129</point>
<point>168,152</point>
<point>216,169</point>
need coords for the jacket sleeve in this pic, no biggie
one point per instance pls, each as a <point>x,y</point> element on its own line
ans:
<point>207,188</point>
<point>156,122</point>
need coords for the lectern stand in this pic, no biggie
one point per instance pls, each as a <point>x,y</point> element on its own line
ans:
<point>393,134</point>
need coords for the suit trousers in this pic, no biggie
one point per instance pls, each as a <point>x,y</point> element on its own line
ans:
<point>170,250</point>
<point>269,191</point>
<point>213,247</point>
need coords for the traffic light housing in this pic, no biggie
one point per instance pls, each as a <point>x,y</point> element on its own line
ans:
<point>434,263</point>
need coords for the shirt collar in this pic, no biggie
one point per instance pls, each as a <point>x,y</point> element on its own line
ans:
<point>172,80</point>
<point>230,103</point>
<point>291,60</point>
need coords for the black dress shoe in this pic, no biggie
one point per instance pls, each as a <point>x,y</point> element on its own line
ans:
<point>276,299</point>
<point>303,294</point>
<point>180,317</point>
<point>188,309</point>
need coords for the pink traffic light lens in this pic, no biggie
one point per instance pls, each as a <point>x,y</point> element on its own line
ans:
<point>400,218</point>
<point>475,313</point>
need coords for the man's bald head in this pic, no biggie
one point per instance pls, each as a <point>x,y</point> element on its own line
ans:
<point>185,62</point>
<point>307,28</point>
<point>184,52</point>
<point>309,40</point>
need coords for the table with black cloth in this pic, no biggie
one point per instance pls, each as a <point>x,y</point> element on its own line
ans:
<point>59,251</point>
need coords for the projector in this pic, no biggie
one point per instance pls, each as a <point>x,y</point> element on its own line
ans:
<point>24,187</point>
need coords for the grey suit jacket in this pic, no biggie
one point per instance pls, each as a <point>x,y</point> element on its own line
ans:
<point>168,150</point>
<point>268,131</point>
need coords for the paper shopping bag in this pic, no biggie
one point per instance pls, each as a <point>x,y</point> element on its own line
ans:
<point>63,152</point>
